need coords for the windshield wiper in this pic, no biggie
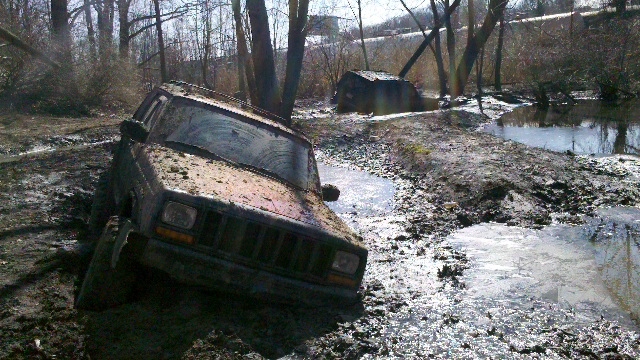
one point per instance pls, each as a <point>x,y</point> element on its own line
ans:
<point>269,173</point>
<point>199,149</point>
<point>204,151</point>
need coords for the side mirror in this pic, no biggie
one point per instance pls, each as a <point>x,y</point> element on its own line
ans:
<point>134,130</point>
<point>330,192</point>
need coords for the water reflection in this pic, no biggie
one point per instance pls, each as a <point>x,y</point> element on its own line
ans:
<point>360,192</point>
<point>616,240</point>
<point>589,127</point>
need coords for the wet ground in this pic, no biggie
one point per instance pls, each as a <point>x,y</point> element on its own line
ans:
<point>522,291</point>
<point>430,290</point>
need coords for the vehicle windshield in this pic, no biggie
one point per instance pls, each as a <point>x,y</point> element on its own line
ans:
<point>244,142</point>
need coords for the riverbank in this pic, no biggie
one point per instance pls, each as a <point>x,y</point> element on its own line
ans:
<point>465,176</point>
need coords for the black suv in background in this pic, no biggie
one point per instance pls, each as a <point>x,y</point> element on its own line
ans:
<point>218,194</point>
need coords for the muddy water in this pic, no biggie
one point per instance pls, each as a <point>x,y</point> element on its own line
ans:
<point>558,264</point>
<point>589,127</point>
<point>522,284</point>
<point>41,149</point>
<point>615,237</point>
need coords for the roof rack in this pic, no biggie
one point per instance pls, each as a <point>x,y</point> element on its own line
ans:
<point>256,110</point>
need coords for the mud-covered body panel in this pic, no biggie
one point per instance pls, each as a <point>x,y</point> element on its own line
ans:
<point>195,268</point>
<point>215,178</point>
<point>254,230</point>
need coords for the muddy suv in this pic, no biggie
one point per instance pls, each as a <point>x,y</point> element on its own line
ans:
<point>219,195</point>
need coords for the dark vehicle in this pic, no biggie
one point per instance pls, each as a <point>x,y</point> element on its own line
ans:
<point>220,196</point>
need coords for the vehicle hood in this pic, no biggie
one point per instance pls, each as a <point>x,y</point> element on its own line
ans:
<point>207,177</point>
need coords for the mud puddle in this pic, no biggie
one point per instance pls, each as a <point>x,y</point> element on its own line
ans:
<point>561,277</point>
<point>588,127</point>
<point>541,292</point>
<point>42,149</point>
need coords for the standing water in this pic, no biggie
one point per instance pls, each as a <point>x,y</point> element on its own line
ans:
<point>588,127</point>
<point>520,281</point>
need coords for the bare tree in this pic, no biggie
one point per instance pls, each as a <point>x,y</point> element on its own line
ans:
<point>432,34</point>
<point>335,59</point>
<point>61,32</point>
<point>91,32</point>
<point>498,66</point>
<point>244,61</point>
<point>205,46</point>
<point>472,21</point>
<point>495,10</point>
<point>124,26</point>
<point>438,53</point>
<point>364,48</point>
<point>161,49</point>
<point>298,11</point>
<point>105,11</point>
<point>263,60</point>
<point>451,45</point>
<point>268,95</point>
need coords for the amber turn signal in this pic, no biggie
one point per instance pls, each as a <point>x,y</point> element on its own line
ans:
<point>340,280</point>
<point>176,235</point>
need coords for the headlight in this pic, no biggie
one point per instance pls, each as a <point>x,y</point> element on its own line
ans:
<point>179,215</point>
<point>345,262</point>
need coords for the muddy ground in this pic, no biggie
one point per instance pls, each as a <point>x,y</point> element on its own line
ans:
<point>453,177</point>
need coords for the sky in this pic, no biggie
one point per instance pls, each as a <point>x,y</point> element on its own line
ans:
<point>377,11</point>
<point>373,11</point>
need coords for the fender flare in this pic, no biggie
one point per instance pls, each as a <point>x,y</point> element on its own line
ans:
<point>127,227</point>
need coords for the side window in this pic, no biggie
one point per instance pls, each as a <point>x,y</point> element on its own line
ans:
<point>152,112</point>
<point>142,109</point>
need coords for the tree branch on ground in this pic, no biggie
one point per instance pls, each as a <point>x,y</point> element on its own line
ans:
<point>17,42</point>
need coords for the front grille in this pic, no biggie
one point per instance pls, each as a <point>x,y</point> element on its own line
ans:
<point>262,245</point>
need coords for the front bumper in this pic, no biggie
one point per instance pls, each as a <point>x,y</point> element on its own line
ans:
<point>196,268</point>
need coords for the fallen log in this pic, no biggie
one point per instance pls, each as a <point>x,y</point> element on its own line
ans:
<point>17,42</point>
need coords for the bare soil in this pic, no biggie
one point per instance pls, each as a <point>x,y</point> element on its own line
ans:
<point>458,177</point>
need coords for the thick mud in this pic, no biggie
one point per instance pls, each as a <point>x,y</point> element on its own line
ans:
<point>417,300</point>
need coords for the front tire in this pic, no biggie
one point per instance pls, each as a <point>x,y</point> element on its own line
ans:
<point>104,205</point>
<point>105,286</point>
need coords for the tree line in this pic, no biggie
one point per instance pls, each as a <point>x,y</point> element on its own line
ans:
<point>71,55</point>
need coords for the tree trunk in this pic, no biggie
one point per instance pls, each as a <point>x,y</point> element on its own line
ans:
<point>472,21</point>
<point>263,61</point>
<point>91,33</point>
<point>295,53</point>
<point>244,61</point>
<point>498,80</point>
<point>297,34</point>
<point>207,48</point>
<point>619,145</point>
<point>428,39</point>
<point>163,64</point>
<point>620,5</point>
<point>61,32</point>
<point>364,48</point>
<point>125,25</point>
<point>438,53</point>
<point>451,47</point>
<point>479,66</point>
<point>494,12</point>
<point>105,11</point>
<point>63,79</point>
